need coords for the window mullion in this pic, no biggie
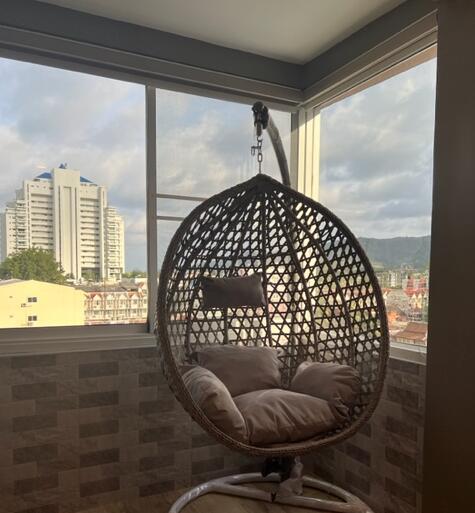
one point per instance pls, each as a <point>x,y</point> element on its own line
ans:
<point>151,187</point>
<point>308,152</point>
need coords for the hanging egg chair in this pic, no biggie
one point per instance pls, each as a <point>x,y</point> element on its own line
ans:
<point>320,308</point>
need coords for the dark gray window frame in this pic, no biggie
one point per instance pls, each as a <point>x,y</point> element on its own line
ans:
<point>53,51</point>
<point>72,338</point>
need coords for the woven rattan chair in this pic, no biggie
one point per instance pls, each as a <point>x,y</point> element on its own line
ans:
<point>324,304</point>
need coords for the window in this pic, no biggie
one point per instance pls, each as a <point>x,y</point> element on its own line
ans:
<point>75,152</point>
<point>72,194</point>
<point>74,156</point>
<point>203,147</point>
<point>376,174</point>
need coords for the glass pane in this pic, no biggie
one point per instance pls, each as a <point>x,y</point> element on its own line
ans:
<point>165,232</point>
<point>72,197</point>
<point>175,207</point>
<point>203,145</point>
<point>376,174</point>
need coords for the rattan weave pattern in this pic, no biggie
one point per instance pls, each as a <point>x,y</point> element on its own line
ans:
<point>324,301</point>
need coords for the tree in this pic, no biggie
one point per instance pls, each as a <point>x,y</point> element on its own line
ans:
<point>32,264</point>
<point>90,276</point>
<point>135,274</point>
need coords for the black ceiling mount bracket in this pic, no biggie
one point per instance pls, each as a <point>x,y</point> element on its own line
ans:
<point>263,121</point>
<point>261,117</point>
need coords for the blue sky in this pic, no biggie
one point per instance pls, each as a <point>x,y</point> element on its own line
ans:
<point>376,147</point>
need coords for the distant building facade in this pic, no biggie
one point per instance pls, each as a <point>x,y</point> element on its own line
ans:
<point>125,303</point>
<point>416,289</point>
<point>65,213</point>
<point>407,310</point>
<point>31,303</point>
<point>414,333</point>
<point>394,279</point>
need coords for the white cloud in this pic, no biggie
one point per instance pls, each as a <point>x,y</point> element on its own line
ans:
<point>96,125</point>
<point>376,169</point>
<point>376,156</point>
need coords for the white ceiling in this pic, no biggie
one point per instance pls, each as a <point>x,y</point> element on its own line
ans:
<point>290,30</point>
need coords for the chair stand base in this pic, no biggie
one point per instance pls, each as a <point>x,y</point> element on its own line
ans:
<point>233,485</point>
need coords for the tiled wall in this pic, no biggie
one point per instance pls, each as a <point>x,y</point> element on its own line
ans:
<point>80,429</point>
<point>382,463</point>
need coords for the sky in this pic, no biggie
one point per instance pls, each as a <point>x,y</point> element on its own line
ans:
<point>376,156</point>
<point>96,125</point>
<point>376,147</point>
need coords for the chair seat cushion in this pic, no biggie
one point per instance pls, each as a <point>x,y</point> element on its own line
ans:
<point>215,401</point>
<point>278,416</point>
<point>242,369</point>
<point>338,384</point>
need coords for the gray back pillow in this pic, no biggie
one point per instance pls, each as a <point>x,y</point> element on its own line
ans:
<point>232,292</point>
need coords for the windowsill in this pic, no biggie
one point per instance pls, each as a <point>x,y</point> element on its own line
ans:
<point>72,344</point>
<point>49,345</point>
<point>408,353</point>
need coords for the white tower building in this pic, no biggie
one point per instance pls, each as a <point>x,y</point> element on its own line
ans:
<point>65,213</point>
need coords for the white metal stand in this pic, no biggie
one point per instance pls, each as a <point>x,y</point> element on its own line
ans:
<point>233,485</point>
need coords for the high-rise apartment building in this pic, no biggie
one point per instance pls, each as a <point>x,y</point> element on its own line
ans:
<point>65,213</point>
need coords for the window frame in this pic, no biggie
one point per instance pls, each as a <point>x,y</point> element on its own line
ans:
<point>71,338</point>
<point>309,141</point>
<point>30,340</point>
<point>52,51</point>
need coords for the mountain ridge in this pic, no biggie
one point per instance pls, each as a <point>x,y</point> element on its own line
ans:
<point>394,252</point>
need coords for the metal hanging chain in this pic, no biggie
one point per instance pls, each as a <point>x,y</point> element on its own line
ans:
<point>261,120</point>
<point>256,149</point>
